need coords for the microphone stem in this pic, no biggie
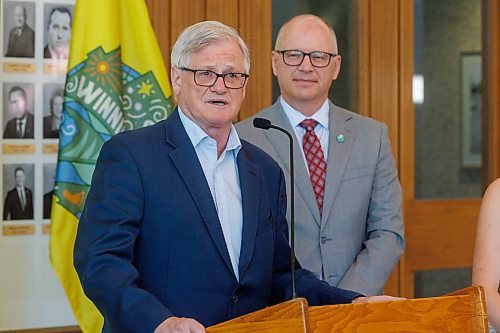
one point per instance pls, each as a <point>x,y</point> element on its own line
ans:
<point>292,210</point>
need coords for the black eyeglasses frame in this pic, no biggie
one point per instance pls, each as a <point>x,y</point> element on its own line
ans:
<point>304,54</point>
<point>217,75</point>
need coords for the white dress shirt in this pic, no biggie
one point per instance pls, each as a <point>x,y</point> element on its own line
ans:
<point>224,183</point>
<point>321,130</point>
<point>22,196</point>
<point>21,121</point>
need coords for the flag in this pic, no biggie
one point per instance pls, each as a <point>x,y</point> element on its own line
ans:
<point>116,81</point>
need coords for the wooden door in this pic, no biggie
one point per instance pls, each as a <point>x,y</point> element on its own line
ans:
<point>439,233</point>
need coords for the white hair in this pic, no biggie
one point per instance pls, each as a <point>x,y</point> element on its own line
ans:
<point>194,37</point>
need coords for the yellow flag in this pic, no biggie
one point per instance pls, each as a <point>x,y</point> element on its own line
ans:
<point>116,81</point>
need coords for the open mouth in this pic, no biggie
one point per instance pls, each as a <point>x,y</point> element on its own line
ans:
<point>218,102</point>
<point>304,80</point>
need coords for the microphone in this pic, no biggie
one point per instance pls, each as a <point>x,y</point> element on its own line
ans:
<point>263,123</point>
<point>266,124</point>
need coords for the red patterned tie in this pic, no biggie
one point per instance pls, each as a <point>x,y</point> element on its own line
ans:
<point>315,160</point>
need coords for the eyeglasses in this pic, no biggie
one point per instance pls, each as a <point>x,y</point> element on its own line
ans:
<point>318,59</point>
<point>206,78</point>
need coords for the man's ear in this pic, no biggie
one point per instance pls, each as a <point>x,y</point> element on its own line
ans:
<point>274,58</point>
<point>175,77</point>
<point>337,60</point>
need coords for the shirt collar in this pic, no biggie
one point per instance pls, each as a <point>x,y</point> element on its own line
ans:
<point>295,117</point>
<point>197,135</point>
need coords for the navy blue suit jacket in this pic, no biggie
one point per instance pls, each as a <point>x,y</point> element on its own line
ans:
<point>150,245</point>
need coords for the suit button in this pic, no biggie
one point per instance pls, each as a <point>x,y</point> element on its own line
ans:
<point>234,299</point>
<point>323,240</point>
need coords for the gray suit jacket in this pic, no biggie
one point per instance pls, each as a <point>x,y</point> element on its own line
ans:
<point>359,238</point>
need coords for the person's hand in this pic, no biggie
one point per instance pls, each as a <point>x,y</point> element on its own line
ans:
<point>382,298</point>
<point>180,325</point>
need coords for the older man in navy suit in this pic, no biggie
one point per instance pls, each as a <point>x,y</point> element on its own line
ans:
<point>184,225</point>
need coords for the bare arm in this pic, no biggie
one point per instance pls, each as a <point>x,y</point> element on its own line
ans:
<point>486,267</point>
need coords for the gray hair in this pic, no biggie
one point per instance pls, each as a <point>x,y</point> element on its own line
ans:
<point>194,37</point>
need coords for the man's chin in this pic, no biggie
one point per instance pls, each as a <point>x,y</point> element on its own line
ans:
<point>60,49</point>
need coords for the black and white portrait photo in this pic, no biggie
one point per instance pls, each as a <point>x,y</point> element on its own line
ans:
<point>53,97</point>
<point>18,181</point>
<point>18,110</point>
<point>19,23</point>
<point>58,21</point>
<point>49,173</point>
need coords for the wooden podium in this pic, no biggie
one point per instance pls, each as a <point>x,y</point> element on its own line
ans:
<point>461,311</point>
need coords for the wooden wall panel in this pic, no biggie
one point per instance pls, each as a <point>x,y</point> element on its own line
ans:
<point>225,11</point>
<point>494,95</point>
<point>491,83</point>
<point>406,108</point>
<point>379,71</point>
<point>183,14</point>
<point>361,31</point>
<point>407,121</point>
<point>159,13</point>
<point>384,66</point>
<point>448,241</point>
<point>255,28</point>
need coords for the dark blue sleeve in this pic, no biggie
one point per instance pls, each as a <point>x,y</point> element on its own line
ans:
<point>104,247</point>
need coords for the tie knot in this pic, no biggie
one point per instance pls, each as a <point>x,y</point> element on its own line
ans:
<point>308,124</point>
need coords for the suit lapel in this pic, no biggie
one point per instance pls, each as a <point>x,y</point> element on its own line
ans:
<point>249,174</point>
<point>280,143</point>
<point>28,130</point>
<point>186,161</point>
<point>338,154</point>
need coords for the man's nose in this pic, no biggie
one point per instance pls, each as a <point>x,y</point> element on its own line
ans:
<point>219,84</point>
<point>306,64</point>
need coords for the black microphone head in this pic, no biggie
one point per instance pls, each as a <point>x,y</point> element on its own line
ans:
<point>262,123</point>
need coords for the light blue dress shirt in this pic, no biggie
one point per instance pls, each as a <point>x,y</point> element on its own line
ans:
<point>321,130</point>
<point>224,183</point>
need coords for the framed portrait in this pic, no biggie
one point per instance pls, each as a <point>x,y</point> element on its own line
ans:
<point>49,173</point>
<point>53,98</point>
<point>18,189</point>
<point>57,35</point>
<point>18,29</point>
<point>18,105</point>
<point>470,65</point>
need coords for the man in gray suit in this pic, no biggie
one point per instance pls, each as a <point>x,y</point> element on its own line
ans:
<point>348,223</point>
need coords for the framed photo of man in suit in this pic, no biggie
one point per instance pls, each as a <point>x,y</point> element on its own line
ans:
<point>18,110</point>
<point>58,21</point>
<point>49,174</point>
<point>53,98</point>
<point>18,29</point>
<point>18,188</point>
